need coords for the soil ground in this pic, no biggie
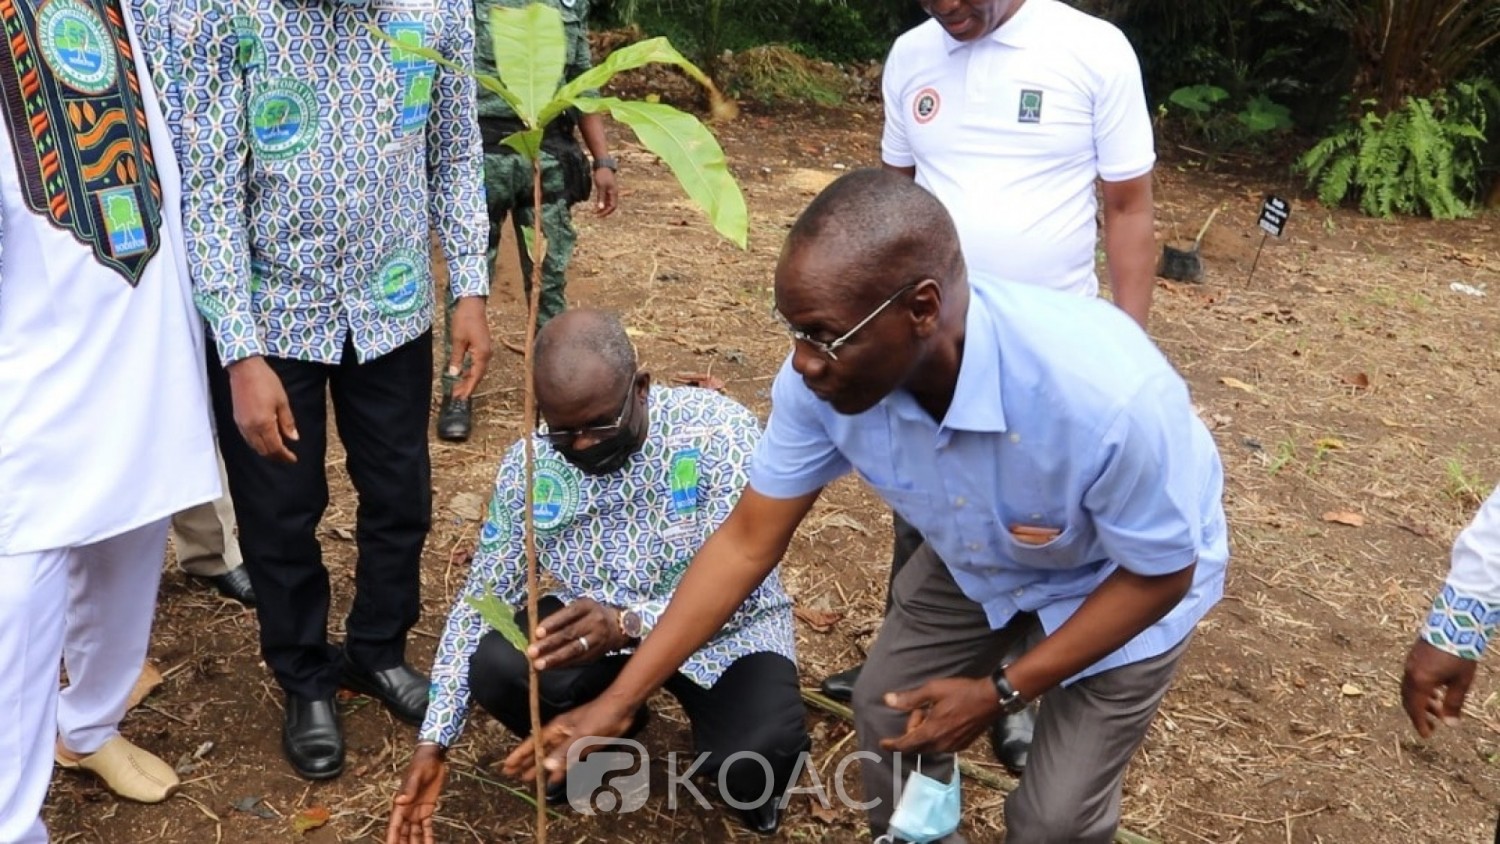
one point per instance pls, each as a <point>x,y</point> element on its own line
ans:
<point>1352,393</point>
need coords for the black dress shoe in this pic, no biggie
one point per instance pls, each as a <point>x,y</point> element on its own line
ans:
<point>401,688</point>
<point>765,818</point>
<point>1010,737</point>
<point>312,738</point>
<point>234,585</point>
<point>840,686</point>
<point>455,420</point>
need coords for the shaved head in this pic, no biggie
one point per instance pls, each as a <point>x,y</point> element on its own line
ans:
<point>878,225</point>
<point>581,352</point>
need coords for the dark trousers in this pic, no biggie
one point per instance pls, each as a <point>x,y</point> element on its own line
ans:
<point>381,409</point>
<point>756,707</point>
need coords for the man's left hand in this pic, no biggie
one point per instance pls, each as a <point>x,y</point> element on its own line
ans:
<point>947,714</point>
<point>577,634</point>
<point>471,338</point>
<point>605,191</point>
<point>1434,687</point>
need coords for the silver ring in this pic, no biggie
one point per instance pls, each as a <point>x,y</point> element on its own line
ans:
<point>583,644</point>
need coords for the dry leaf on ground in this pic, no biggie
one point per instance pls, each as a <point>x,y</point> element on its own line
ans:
<point>1236,384</point>
<point>309,819</point>
<point>1344,517</point>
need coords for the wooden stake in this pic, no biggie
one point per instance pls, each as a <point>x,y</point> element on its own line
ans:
<point>528,369</point>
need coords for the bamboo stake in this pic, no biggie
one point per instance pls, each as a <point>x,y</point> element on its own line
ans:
<point>983,776</point>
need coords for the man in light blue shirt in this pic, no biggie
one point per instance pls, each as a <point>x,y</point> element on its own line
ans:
<point>1052,459</point>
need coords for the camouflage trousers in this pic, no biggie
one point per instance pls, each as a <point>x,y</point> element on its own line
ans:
<point>507,177</point>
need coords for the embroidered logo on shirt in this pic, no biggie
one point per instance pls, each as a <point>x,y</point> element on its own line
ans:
<point>684,480</point>
<point>554,494</point>
<point>1031,107</point>
<point>496,523</point>
<point>250,53</point>
<point>82,149</point>
<point>122,222</point>
<point>926,105</point>
<point>399,285</point>
<point>283,118</point>
<point>76,46</point>
<point>415,73</point>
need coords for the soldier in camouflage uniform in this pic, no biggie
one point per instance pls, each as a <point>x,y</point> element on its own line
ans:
<point>509,190</point>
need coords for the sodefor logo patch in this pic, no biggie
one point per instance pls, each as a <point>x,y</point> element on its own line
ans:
<point>75,44</point>
<point>283,118</point>
<point>496,525</point>
<point>415,74</point>
<point>926,105</point>
<point>554,494</point>
<point>121,212</point>
<point>1031,107</point>
<point>400,283</point>
<point>684,480</point>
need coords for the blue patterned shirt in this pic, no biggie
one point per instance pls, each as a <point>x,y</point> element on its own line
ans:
<point>1466,612</point>
<point>622,539</point>
<point>316,158</point>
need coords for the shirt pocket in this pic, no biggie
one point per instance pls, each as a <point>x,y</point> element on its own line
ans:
<point>1069,549</point>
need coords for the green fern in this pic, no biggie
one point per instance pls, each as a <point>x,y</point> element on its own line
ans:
<point>1423,158</point>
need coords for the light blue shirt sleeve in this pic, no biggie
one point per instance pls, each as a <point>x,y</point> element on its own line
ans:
<point>796,455</point>
<point>1146,500</point>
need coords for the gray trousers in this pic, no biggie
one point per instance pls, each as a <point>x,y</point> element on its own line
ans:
<point>1085,734</point>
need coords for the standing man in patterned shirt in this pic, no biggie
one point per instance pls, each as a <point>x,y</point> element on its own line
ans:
<point>203,536</point>
<point>625,492</point>
<point>317,157</point>
<point>509,188</point>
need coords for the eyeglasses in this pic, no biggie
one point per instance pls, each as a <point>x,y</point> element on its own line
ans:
<point>831,348</point>
<point>564,437</point>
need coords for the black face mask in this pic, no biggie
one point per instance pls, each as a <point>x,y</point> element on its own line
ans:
<point>606,456</point>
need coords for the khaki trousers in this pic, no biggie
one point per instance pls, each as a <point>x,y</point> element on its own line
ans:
<point>203,536</point>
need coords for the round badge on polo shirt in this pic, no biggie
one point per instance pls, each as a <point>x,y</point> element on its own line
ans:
<point>925,107</point>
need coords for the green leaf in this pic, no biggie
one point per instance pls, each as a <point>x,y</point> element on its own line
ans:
<point>531,50</point>
<point>651,51</point>
<point>690,150</point>
<point>527,143</point>
<point>1198,98</point>
<point>500,616</point>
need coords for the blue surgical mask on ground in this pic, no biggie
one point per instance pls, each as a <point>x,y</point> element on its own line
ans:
<point>927,811</point>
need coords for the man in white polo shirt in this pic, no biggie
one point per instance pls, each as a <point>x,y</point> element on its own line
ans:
<point>104,426</point>
<point>1009,112</point>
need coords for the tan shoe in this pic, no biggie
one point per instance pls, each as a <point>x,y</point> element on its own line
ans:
<point>127,770</point>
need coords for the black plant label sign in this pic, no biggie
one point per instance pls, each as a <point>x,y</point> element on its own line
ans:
<point>1274,213</point>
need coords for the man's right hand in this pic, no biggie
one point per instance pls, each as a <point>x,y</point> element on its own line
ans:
<point>1434,686</point>
<point>601,718</point>
<point>261,409</point>
<point>416,802</point>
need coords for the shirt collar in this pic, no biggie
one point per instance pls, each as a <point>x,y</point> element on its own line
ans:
<point>976,404</point>
<point>1012,33</point>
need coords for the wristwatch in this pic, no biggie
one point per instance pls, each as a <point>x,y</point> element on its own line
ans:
<point>1011,701</point>
<point>632,625</point>
<point>606,162</point>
